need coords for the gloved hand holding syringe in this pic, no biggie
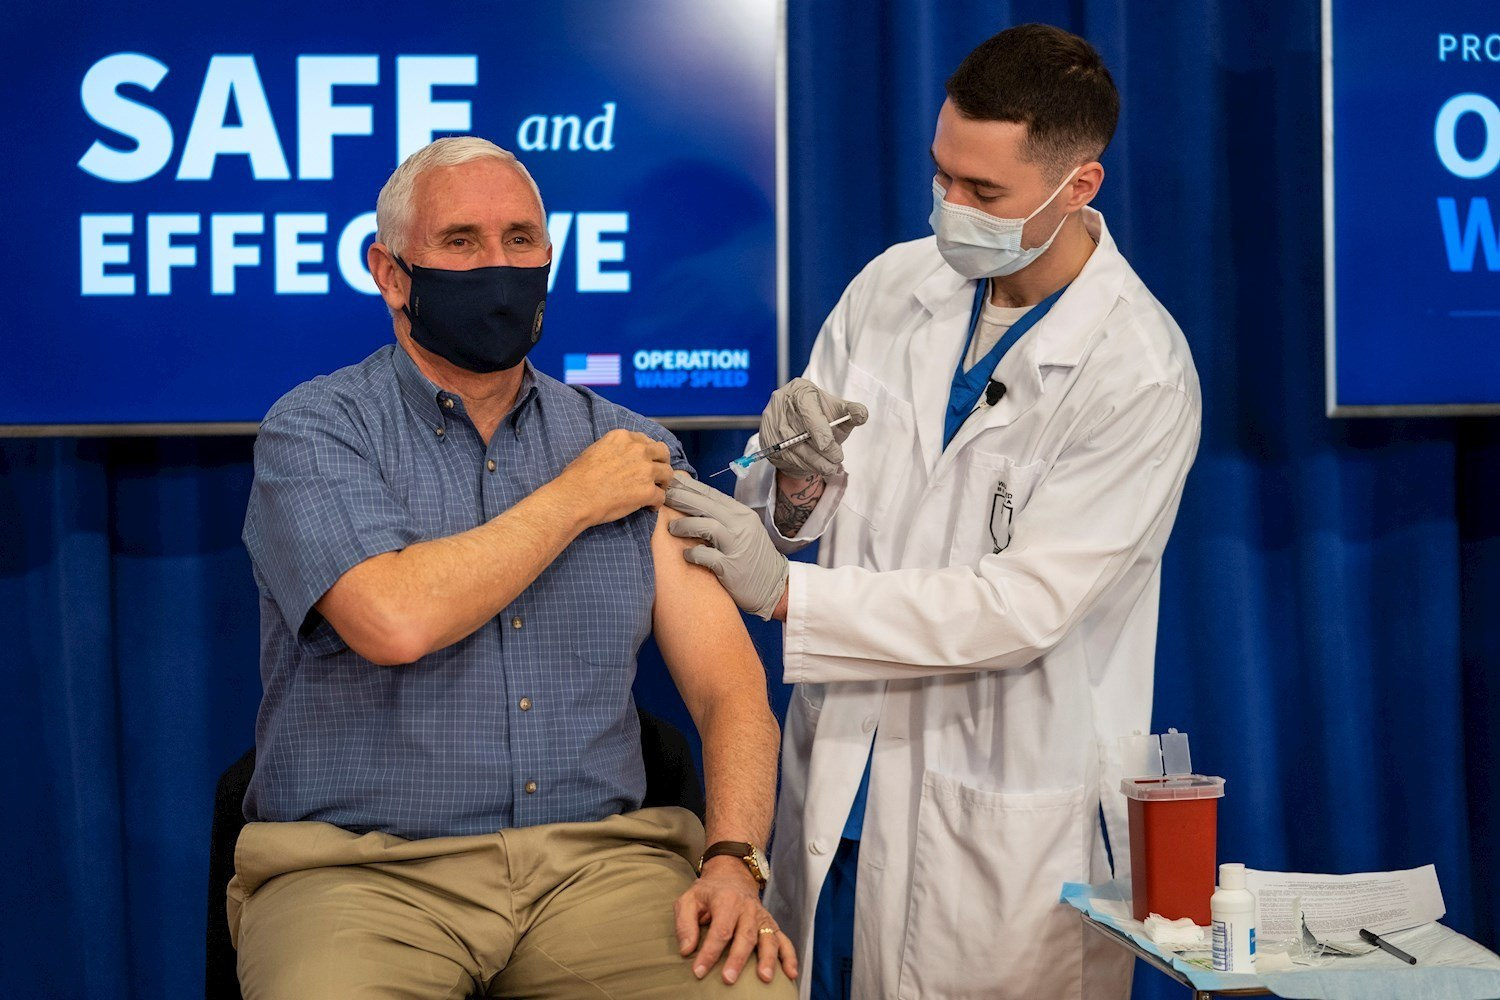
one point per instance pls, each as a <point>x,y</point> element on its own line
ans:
<point>808,426</point>
<point>743,463</point>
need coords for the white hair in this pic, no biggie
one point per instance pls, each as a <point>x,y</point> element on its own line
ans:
<point>393,209</point>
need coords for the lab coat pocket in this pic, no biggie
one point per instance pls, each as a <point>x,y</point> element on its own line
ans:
<point>984,919</point>
<point>992,490</point>
<point>878,456</point>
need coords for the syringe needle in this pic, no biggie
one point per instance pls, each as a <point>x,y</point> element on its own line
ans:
<point>791,442</point>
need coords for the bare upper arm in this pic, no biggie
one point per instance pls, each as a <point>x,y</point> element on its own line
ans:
<point>698,627</point>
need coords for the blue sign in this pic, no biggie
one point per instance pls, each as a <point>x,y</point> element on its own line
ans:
<point>191,192</point>
<point>1412,106</point>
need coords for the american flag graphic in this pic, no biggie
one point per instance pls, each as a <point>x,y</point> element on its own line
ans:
<point>591,369</point>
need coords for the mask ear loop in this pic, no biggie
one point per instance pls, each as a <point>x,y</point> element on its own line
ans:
<point>406,307</point>
<point>1048,240</point>
<point>1053,197</point>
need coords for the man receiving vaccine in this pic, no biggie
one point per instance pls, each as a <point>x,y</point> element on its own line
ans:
<point>980,627</point>
<point>458,558</point>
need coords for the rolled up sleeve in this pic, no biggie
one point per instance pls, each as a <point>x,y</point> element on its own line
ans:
<point>318,507</point>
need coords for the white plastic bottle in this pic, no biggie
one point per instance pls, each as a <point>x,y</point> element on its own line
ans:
<point>1232,909</point>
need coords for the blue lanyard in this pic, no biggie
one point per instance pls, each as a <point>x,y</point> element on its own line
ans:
<point>968,386</point>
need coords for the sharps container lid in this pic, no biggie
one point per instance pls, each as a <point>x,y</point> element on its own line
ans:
<point>1179,786</point>
<point>1176,758</point>
<point>1164,755</point>
<point>1140,756</point>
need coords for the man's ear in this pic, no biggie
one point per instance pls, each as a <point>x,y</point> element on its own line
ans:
<point>394,285</point>
<point>1085,185</point>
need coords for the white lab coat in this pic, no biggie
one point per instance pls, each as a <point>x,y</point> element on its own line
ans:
<point>994,685</point>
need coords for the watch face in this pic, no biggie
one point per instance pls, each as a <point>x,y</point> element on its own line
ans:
<point>760,862</point>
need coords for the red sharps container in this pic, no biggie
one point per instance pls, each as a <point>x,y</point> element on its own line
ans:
<point>1174,826</point>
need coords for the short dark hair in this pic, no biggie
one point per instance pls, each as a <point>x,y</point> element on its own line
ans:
<point>1047,79</point>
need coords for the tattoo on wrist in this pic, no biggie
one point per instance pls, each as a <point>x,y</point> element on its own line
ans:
<point>795,503</point>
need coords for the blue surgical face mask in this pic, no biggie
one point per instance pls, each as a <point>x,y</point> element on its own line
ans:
<point>485,319</point>
<point>980,245</point>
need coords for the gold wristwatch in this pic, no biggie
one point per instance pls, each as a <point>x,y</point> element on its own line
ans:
<point>760,869</point>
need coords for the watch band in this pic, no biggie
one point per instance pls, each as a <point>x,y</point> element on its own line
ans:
<point>748,853</point>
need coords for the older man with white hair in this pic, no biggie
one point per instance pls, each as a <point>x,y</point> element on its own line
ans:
<point>458,558</point>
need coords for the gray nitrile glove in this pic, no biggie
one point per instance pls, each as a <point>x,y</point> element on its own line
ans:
<point>739,551</point>
<point>801,406</point>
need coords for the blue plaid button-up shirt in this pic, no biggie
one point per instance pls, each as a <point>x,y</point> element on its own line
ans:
<point>527,721</point>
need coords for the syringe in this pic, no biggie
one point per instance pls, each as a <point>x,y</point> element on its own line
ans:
<point>748,460</point>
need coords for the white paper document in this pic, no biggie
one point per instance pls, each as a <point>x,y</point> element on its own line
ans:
<point>1335,907</point>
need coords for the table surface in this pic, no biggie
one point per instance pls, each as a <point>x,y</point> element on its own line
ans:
<point>1129,944</point>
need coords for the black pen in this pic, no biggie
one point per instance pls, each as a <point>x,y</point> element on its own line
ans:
<point>1386,946</point>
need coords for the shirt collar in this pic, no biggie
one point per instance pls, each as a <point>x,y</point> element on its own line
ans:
<point>434,405</point>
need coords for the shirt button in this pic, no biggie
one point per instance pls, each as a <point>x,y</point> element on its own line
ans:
<point>515,622</point>
<point>525,704</point>
<point>439,432</point>
<point>448,404</point>
<point>530,788</point>
<point>868,724</point>
<point>818,847</point>
<point>490,465</point>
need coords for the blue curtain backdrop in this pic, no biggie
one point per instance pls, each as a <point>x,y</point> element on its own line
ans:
<point>1329,625</point>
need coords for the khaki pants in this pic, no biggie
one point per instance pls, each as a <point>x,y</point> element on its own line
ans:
<point>568,910</point>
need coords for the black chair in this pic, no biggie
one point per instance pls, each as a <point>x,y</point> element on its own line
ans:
<point>671,780</point>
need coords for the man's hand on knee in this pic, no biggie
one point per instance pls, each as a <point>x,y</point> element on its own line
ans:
<point>724,910</point>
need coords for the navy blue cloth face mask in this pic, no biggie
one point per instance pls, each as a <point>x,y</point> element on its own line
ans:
<point>486,319</point>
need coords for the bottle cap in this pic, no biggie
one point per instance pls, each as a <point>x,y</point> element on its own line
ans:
<point>1232,876</point>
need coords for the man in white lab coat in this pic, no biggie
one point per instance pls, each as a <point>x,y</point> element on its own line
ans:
<point>981,626</point>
